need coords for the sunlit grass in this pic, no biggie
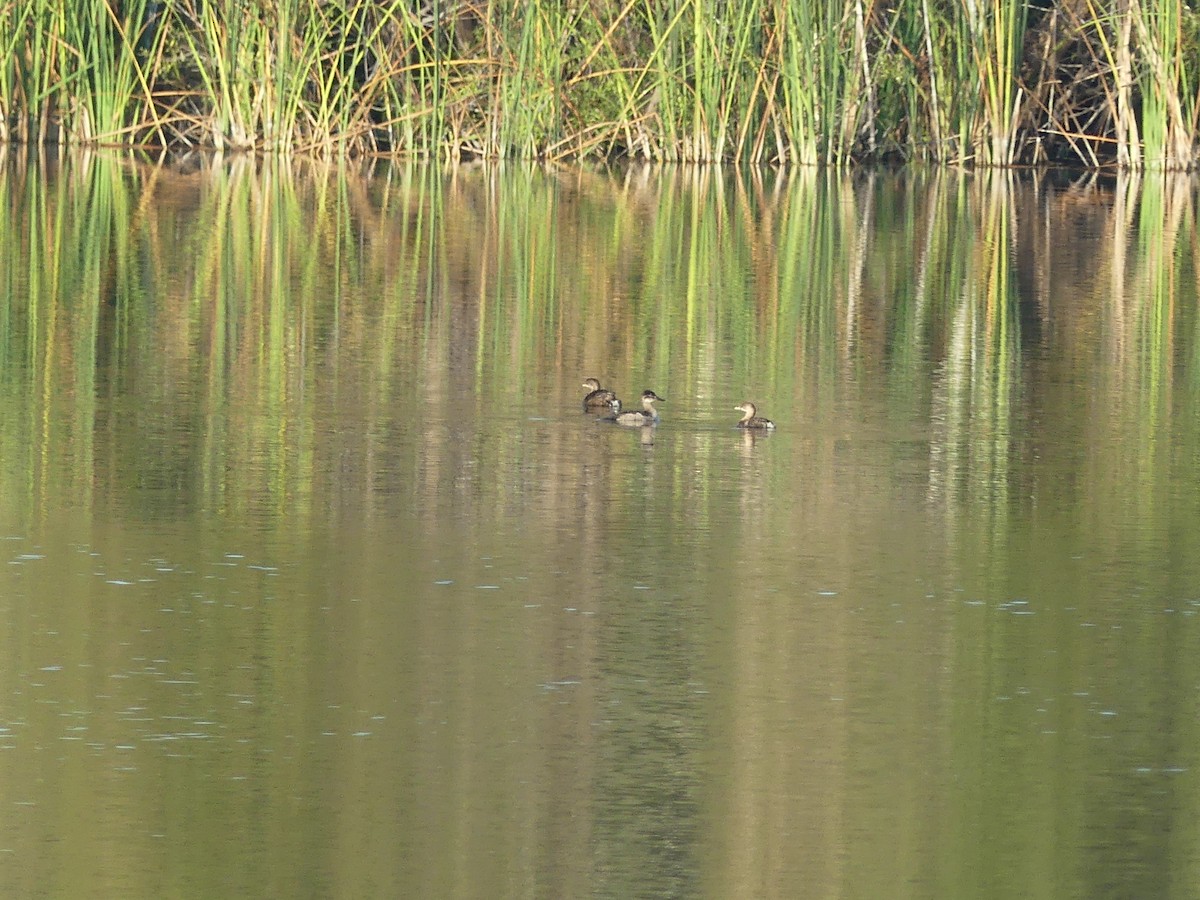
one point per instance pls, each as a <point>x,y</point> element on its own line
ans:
<point>751,81</point>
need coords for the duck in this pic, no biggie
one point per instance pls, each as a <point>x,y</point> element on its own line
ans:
<point>598,397</point>
<point>750,417</point>
<point>647,415</point>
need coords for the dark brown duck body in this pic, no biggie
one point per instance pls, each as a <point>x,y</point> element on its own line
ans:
<point>750,419</point>
<point>598,398</point>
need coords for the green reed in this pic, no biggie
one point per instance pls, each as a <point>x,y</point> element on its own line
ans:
<point>79,73</point>
<point>30,70</point>
<point>997,31</point>
<point>245,76</point>
<point>108,71</point>
<point>753,81</point>
<point>1169,104</point>
<point>810,71</point>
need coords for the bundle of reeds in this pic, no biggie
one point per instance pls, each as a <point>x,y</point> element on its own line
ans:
<point>754,81</point>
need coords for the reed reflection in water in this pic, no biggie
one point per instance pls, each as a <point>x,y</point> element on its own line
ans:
<point>318,581</point>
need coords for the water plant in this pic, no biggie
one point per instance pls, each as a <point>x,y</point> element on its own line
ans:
<point>1097,82</point>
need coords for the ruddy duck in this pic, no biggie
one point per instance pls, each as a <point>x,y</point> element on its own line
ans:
<point>599,398</point>
<point>750,420</point>
<point>647,415</point>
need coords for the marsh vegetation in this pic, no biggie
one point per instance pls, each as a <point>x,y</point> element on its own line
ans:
<point>755,81</point>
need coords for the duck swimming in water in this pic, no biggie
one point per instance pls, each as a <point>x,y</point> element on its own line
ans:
<point>599,398</point>
<point>750,419</point>
<point>647,415</point>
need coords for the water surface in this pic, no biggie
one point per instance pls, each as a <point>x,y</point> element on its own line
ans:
<point>317,581</point>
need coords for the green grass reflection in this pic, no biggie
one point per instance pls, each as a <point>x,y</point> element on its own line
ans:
<point>242,291</point>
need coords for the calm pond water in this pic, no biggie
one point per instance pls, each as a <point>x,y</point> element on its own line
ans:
<point>317,582</point>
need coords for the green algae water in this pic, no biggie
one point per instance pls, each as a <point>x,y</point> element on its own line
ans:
<point>315,580</point>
